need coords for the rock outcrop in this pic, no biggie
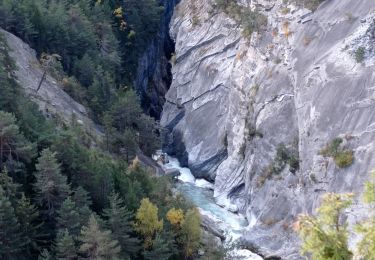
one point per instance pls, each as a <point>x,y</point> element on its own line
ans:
<point>52,99</point>
<point>237,106</point>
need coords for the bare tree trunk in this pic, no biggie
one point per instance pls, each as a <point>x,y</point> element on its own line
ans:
<point>41,81</point>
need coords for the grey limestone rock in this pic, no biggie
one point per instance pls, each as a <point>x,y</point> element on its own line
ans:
<point>233,101</point>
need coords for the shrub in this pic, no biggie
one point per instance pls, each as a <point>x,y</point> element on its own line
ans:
<point>284,156</point>
<point>360,54</point>
<point>309,4</point>
<point>343,157</point>
<point>332,148</point>
<point>251,21</point>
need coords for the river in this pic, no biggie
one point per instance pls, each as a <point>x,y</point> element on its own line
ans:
<point>200,192</point>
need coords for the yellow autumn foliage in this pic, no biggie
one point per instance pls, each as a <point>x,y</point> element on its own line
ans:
<point>147,221</point>
<point>175,216</point>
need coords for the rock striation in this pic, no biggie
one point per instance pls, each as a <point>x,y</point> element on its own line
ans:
<point>237,106</point>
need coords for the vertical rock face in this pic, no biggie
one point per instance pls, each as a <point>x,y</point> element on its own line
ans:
<point>237,105</point>
<point>153,74</point>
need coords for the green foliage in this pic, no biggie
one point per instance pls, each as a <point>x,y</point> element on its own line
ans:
<point>51,186</point>
<point>135,128</point>
<point>309,4</point>
<point>119,221</point>
<point>68,218</point>
<point>326,236</point>
<point>73,176</point>
<point>83,203</point>
<point>142,18</point>
<point>10,235</point>
<point>14,147</point>
<point>343,157</point>
<point>30,225</point>
<point>98,243</point>
<point>360,54</point>
<point>45,255</point>
<point>26,214</point>
<point>191,232</point>
<point>162,248</point>
<point>251,21</point>
<point>366,247</point>
<point>65,246</point>
<point>284,156</point>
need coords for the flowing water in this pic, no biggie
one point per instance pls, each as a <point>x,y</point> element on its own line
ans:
<point>200,192</point>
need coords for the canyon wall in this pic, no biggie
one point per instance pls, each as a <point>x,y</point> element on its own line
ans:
<point>242,112</point>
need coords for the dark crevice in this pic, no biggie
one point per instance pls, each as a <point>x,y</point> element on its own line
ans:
<point>154,75</point>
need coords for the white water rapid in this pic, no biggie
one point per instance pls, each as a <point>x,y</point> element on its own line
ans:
<point>200,192</point>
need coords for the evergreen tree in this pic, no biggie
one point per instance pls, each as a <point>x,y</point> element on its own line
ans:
<point>65,247</point>
<point>118,220</point>
<point>26,213</point>
<point>162,249</point>
<point>51,186</point>
<point>10,236</point>
<point>30,226</point>
<point>68,218</point>
<point>126,111</point>
<point>100,92</point>
<point>97,243</point>
<point>13,145</point>
<point>10,188</point>
<point>325,237</point>
<point>149,135</point>
<point>45,255</point>
<point>147,221</point>
<point>83,203</point>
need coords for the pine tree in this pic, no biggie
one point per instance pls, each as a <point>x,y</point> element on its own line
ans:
<point>325,237</point>
<point>126,111</point>
<point>68,218</point>
<point>118,220</point>
<point>13,145</point>
<point>97,243</point>
<point>10,236</point>
<point>83,203</point>
<point>162,249</point>
<point>30,226</point>
<point>45,255</point>
<point>10,188</point>
<point>26,213</point>
<point>51,186</point>
<point>65,246</point>
<point>147,221</point>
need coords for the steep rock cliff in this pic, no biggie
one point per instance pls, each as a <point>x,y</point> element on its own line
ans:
<point>52,99</point>
<point>236,104</point>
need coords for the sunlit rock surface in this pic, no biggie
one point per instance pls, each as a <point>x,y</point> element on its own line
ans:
<point>234,100</point>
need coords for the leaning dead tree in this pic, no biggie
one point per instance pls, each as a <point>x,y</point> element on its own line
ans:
<point>47,61</point>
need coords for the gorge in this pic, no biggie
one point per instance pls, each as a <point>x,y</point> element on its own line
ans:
<point>261,106</point>
<point>235,103</point>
